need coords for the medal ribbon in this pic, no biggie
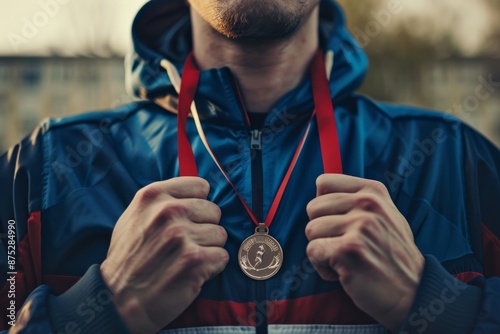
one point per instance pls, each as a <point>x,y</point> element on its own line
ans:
<point>325,118</point>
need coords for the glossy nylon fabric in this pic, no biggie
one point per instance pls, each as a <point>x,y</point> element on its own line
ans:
<point>83,171</point>
<point>141,148</point>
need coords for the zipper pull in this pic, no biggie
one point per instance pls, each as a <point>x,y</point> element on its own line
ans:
<point>256,139</point>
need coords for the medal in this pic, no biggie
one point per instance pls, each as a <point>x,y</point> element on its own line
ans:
<point>260,256</point>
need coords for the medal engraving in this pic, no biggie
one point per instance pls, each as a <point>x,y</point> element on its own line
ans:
<point>260,255</point>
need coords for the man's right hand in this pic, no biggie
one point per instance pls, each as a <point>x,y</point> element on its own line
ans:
<point>164,247</point>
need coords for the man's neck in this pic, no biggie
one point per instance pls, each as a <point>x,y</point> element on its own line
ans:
<point>265,71</point>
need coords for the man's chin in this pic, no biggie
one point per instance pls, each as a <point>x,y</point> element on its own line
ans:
<point>261,30</point>
<point>262,20</point>
<point>256,36</point>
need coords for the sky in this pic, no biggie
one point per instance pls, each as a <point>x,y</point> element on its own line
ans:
<point>102,27</point>
<point>66,27</point>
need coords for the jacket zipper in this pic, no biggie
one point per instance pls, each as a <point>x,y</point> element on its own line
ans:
<point>258,211</point>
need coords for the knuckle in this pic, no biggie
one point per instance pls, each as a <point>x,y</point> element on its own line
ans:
<point>224,256</point>
<point>320,181</point>
<point>220,264</point>
<point>311,230</point>
<point>218,211</point>
<point>196,286</point>
<point>377,187</point>
<point>202,187</point>
<point>147,193</point>
<point>175,234</point>
<point>323,179</point>
<point>346,277</point>
<point>203,183</point>
<point>352,247</point>
<point>326,274</point>
<point>170,241</point>
<point>310,250</point>
<point>366,201</point>
<point>174,238</point>
<point>210,206</point>
<point>161,222</point>
<point>191,257</point>
<point>317,252</point>
<point>172,208</point>
<point>222,233</point>
<point>367,224</point>
<point>217,235</point>
<point>311,207</point>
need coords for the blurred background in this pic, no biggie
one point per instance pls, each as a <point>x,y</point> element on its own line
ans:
<point>63,57</point>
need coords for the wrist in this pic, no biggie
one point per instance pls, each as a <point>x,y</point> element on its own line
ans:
<point>128,307</point>
<point>396,316</point>
<point>134,316</point>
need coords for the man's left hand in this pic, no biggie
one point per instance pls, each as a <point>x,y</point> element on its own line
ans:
<point>358,236</point>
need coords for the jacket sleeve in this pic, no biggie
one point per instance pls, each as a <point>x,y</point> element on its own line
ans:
<point>30,306</point>
<point>444,304</point>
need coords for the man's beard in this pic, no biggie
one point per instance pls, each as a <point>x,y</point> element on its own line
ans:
<point>258,19</point>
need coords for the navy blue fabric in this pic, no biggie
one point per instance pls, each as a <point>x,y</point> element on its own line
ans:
<point>443,303</point>
<point>86,308</point>
<point>82,172</point>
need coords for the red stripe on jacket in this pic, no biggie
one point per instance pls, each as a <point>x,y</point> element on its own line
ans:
<point>491,253</point>
<point>333,307</point>
<point>29,266</point>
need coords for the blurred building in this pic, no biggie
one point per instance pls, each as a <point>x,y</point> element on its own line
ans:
<point>34,88</point>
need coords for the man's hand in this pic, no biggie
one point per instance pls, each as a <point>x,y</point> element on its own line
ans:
<point>164,247</point>
<point>358,236</point>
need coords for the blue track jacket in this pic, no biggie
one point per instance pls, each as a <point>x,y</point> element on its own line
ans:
<point>65,185</point>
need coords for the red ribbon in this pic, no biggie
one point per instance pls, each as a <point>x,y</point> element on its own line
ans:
<point>325,118</point>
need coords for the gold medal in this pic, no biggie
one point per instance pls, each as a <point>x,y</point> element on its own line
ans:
<point>260,255</point>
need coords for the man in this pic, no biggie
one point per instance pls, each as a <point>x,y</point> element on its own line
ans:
<point>286,229</point>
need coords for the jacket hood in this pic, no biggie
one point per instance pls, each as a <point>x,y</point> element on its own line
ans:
<point>161,33</point>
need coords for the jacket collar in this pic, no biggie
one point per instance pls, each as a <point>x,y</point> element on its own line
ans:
<point>161,34</point>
